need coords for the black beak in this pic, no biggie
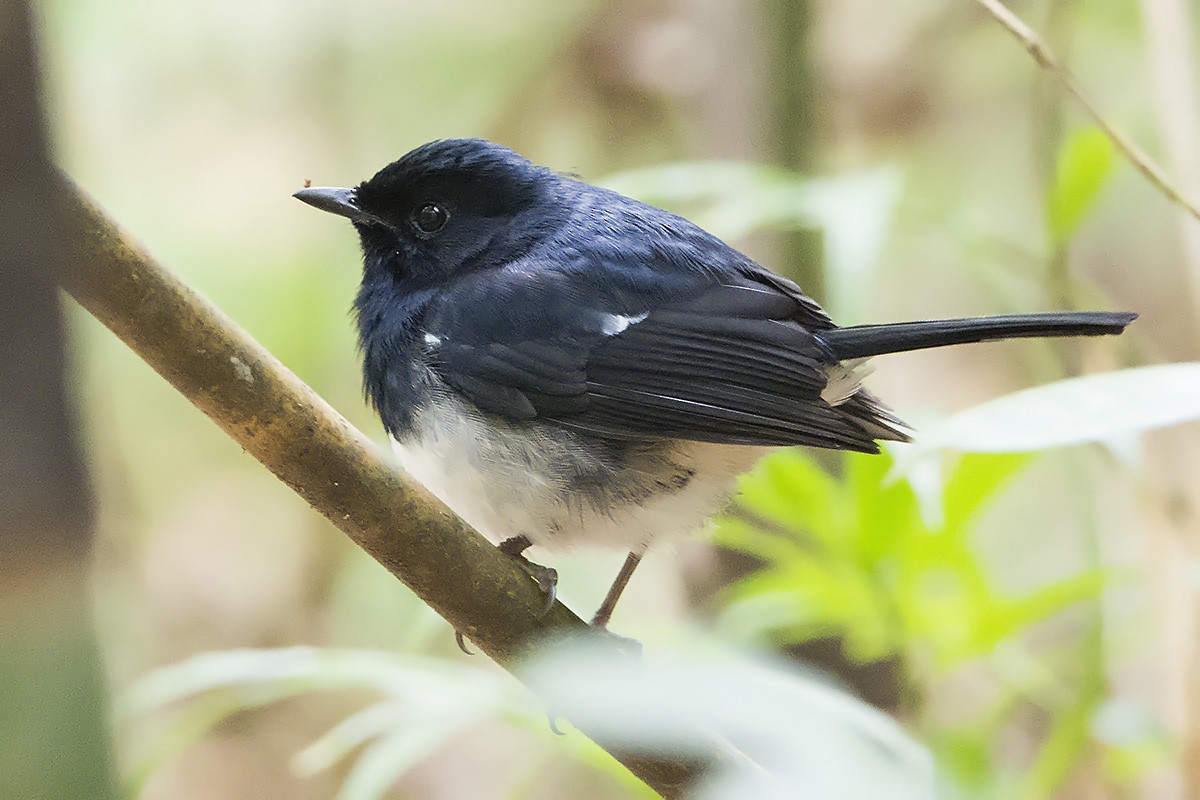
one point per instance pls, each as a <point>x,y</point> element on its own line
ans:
<point>334,200</point>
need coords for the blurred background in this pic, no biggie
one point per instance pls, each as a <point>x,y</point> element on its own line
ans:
<point>900,160</point>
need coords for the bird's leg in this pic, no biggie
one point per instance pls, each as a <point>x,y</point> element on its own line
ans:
<point>604,613</point>
<point>546,577</point>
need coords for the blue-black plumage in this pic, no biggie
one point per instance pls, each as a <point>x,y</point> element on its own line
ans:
<point>563,364</point>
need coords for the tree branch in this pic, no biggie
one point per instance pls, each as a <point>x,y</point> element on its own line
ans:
<point>314,450</point>
<point>1047,61</point>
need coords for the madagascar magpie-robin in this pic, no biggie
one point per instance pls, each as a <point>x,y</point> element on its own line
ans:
<point>564,365</point>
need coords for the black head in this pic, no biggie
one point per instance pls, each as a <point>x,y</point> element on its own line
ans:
<point>446,208</point>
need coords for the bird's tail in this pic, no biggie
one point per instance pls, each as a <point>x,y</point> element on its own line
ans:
<point>863,341</point>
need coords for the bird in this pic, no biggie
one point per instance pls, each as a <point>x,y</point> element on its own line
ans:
<point>563,365</point>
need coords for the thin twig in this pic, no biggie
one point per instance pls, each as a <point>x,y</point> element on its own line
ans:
<point>1046,59</point>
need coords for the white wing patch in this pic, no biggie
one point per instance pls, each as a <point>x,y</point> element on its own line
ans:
<point>843,380</point>
<point>612,324</point>
<point>431,340</point>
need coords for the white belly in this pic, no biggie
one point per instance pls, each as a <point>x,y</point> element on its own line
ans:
<point>529,481</point>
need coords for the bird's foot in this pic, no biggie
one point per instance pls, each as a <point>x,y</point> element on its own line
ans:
<point>546,577</point>
<point>627,645</point>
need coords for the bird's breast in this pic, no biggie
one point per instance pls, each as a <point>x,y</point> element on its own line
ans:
<point>557,486</point>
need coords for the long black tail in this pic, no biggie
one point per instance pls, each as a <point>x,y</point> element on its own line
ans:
<point>862,341</point>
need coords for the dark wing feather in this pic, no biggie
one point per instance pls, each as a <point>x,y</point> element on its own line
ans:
<point>734,361</point>
<point>519,381</point>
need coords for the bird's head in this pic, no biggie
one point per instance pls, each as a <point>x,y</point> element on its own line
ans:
<point>444,209</point>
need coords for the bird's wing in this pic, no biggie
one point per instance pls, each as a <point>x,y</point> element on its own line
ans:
<point>737,360</point>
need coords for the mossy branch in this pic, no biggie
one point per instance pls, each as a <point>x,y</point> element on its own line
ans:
<point>309,446</point>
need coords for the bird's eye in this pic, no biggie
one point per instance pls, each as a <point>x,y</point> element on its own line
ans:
<point>430,218</point>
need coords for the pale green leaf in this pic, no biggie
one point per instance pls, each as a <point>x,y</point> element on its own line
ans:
<point>1093,408</point>
<point>385,760</point>
<point>1084,166</point>
<point>785,734</point>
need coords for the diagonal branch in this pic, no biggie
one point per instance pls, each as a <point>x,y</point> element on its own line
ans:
<point>310,447</point>
<point>1042,54</point>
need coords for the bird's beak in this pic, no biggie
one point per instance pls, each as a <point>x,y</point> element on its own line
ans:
<point>334,200</point>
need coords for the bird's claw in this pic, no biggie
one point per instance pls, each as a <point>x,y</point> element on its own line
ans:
<point>546,577</point>
<point>626,644</point>
<point>547,581</point>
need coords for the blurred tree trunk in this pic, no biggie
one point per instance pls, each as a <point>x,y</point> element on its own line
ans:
<point>795,124</point>
<point>53,720</point>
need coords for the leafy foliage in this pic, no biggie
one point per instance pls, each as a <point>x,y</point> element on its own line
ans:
<point>892,574</point>
<point>683,702</point>
<point>855,558</point>
<point>423,703</point>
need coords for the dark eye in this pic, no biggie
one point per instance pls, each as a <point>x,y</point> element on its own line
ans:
<point>430,218</point>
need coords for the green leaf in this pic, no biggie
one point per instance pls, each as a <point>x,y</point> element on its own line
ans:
<point>385,760</point>
<point>746,537</point>
<point>886,511</point>
<point>346,736</point>
<point>789,489</point>
<point>1093,408</point>
<point>780,727</point>
<point>1085,163</point>
<point>427,702</point>
<point>1044,603</point>
<point>976,479</point>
